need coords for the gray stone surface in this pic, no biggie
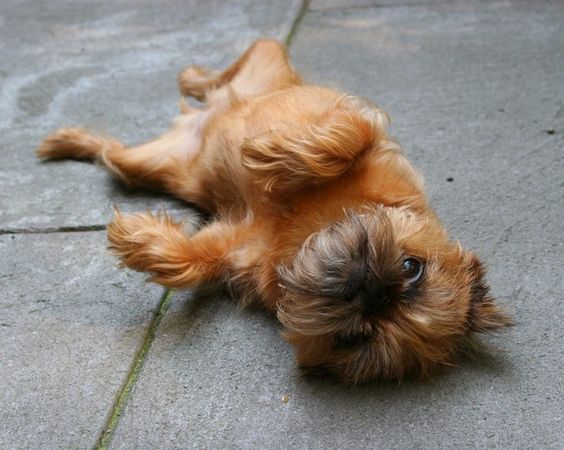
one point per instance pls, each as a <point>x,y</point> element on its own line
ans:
<point>214,379</point>
<point>472,89</point>
<point>70,325</point>
<point>110,66</point>
<point>328,5</point>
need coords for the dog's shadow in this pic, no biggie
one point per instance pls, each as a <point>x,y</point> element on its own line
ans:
<point>208,321</point>
<point>143,196</point>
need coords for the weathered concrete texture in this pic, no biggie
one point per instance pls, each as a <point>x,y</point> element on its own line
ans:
<point>214,379</point>
<point>326,5</point>
<point>472,89</point>
<point>110,66</point>
<point>70,325</point>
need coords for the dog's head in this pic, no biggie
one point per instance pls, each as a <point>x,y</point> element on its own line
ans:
<point>383,294</point>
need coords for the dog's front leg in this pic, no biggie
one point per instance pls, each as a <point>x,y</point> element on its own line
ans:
<point>158,245</point>
<point>294,157</point>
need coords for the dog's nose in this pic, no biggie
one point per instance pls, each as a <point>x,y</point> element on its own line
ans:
<point>376,299</point>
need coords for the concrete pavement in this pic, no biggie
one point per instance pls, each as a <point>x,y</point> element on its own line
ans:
<point>91,355</point>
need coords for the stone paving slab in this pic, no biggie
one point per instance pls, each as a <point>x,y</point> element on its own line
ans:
<point>472,90</point>
<point>70,325</point>
<point>109,66</point>
<point>214,379</point>
<point>327,5</point>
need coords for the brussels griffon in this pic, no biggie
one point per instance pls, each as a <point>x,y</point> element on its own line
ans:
<point>317,217</point>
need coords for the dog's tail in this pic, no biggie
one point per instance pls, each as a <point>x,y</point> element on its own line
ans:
<point>76,143</point>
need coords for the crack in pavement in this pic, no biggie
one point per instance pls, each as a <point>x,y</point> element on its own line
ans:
<point>140,357</point>
<point>48,230</point>
<point>133,374</point>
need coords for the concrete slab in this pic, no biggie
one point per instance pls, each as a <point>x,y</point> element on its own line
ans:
<point>471,96</point>
<point>475,93</point>
<point>70,325</point>
<point>327,5</point>
<point>112,68</point>
<point>213,379</point>
<point>216,377</point>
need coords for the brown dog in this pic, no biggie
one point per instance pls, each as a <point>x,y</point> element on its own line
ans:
<point>318,217</point>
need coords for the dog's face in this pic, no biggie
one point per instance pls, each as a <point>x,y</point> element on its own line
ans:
<point>383,294</point>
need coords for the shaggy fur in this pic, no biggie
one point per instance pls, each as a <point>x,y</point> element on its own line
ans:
<point>318,217</point>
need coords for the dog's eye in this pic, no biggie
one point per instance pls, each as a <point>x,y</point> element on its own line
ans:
<point>412,269</point>
<point>350,340</point>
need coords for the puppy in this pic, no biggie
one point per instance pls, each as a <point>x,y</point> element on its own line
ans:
<point>318,217</point>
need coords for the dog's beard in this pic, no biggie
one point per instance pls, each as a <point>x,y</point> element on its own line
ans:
<point>342,274</point>
<point>349,308</point>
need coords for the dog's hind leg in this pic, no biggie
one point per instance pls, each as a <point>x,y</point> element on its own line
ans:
<point>160,164</point>
<point>263,68</point>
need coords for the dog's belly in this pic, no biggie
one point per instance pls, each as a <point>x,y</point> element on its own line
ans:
<point>227,187</point>
<point>186,139</point>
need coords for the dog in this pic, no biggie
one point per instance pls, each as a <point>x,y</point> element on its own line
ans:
<point>318,217</point>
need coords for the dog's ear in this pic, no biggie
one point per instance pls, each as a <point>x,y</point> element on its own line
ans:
<point>290,158</point>
<point>484,314</point>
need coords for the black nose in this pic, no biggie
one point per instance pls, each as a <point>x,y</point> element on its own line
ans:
<point>356,279</point>
<point>375,299</point>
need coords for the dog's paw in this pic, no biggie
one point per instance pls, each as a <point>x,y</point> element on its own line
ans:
<point>71,142</point>
<point>146,242</point>
<point>130,237</point>
<point>194,81</point>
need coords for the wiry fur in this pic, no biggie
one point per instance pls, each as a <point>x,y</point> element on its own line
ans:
<point>315,212</point>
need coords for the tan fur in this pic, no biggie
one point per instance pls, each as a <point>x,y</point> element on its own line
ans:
<point>315,211</point>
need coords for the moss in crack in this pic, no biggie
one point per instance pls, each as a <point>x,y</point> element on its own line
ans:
<point>296,24</point>
<point>124,394</point>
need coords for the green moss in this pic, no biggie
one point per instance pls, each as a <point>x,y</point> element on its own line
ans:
<point>136,366</point>
<point>296,24</point>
